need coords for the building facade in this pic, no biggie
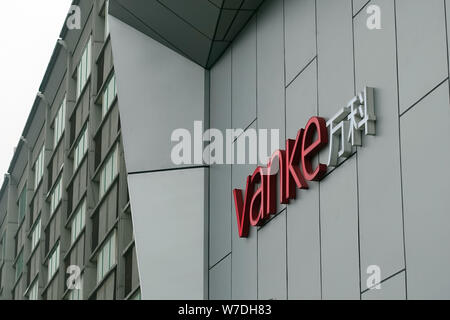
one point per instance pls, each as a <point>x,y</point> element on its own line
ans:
<point>64,204</point>
<point>374,226</point>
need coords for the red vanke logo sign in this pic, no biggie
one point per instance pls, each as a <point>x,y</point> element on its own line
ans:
<point>345,130</point>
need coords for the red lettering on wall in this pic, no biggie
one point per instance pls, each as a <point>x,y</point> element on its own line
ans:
<point>279,155</point>
<point>258,205</point>
<point>294,177</point>
<point>242,208</point>
<point>311,148</point>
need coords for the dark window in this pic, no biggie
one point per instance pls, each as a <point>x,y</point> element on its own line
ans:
<point>47,240</point>
<point>100,66</point>
<point>50,175</point>
<point>29,272</point>
<point>128,272</point>
<point>31,213</point>
<point>2,248</point>
<point>16,245</point>
<point>19,265</point>
<point>66,265</point>
<point>70,199</point>
<point>22,204</point>
<point>73,127</point>
<point>95,226</point>
<point>98,150</point>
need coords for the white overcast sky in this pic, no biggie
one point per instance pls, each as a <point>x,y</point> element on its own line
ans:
<point>29,30</point>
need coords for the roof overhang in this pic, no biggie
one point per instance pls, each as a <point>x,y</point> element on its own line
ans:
<point>201,30</point>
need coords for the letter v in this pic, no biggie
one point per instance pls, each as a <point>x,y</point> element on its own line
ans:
<point>243,208</point>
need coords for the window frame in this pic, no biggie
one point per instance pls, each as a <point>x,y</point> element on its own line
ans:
<point>19,262</point>
<point>34,291</point>
<point>78,222</point>
<point>107,178</point>
<point>105,253</point>
<point>105,14</point>
<point>22,204</point>
<point>39,168</point>
<point>109,95</point>
<point>36,234</point>
<point>59,123</point>
<point>84,68</point>
<point>53,263</point>
<point>3,247</point>
<point>77,294</point>
<point>77,155</point>
<point>56,196</point>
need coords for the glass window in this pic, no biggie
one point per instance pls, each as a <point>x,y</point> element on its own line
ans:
<point>53,263</point>
<point>39,168</point>
<point>84,68</point>
<point>80,149</point>
<point>77,294</point>
<point>59,123</point>
<point>2,248</point>
<point>137,296</point>
<point>106,258</point>
<point>109,95</point>
<point>109,171</point>
<point>56,196</point>
<point>33,295</point>
<point>36,235</point>
<point>106,19</point>
<point>22,204</point>
<point>19,265</point>
<point>78,222</point>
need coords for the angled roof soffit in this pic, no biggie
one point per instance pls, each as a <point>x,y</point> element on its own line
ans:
<point>201,30</point>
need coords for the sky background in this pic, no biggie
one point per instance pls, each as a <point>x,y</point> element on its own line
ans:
<point>29,30</point>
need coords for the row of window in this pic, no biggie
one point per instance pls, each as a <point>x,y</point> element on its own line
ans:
<point>107,256</point>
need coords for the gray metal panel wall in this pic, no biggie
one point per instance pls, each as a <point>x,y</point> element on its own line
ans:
<point>385,206</point>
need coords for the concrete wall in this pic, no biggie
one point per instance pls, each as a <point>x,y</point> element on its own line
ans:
<point>387,205</point>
